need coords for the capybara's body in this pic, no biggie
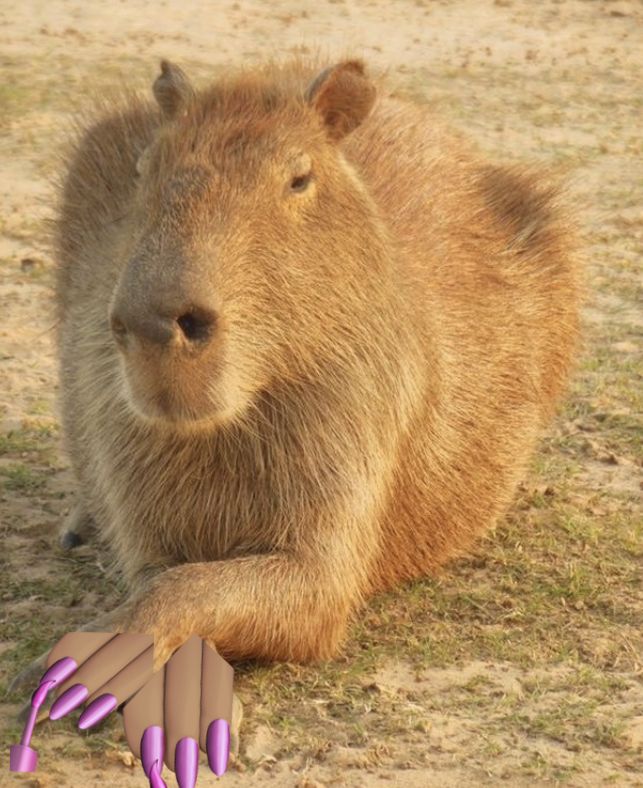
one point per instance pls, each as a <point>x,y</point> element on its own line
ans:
<point>377,343</point>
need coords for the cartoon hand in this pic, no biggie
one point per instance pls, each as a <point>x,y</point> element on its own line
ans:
<point>101,669</point>
<point>184,706</point>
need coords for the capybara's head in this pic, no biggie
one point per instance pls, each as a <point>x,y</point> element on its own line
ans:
<point>255,252</point>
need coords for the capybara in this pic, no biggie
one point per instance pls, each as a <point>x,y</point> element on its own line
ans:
<point>308,338</point>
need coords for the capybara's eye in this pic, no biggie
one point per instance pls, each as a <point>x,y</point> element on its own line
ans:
<point>300,182</point>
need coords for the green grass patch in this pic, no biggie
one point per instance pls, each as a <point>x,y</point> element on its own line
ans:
<point>38,444</point>
<point>21,478</point>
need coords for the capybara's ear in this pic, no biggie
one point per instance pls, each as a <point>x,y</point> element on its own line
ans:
<point>343,95</point>
<point>172,89</point>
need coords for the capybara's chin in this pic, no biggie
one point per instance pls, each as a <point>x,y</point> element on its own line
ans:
<point>166,403</point>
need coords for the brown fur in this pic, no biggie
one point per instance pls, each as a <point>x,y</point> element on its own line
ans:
<point>388,348</point>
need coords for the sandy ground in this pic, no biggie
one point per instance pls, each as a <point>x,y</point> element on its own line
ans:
<point>551,81</point>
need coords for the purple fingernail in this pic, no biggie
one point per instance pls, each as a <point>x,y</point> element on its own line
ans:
<point>152,753</point>
<point>156,781</point>
<point>22,757</point>
<point>152,748</point>
<point>218,746</point>
<point>68,701</point>
<point>186,762</point>
<point>97,710</point>
<point>38,698</point>
<point>60,671</point>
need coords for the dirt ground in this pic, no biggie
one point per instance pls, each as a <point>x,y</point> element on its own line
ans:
<point>522,664</point>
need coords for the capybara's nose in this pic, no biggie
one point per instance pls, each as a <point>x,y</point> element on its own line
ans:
<point>194,325</point>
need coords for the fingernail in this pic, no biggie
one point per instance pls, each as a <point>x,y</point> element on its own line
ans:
<point>218,746</point>
<point>186,762</point>
<point>38,698</point>
<point>156,781</point>
<point>60,671</point>
<point>97,710</point>
<point>68,701</point>
<point>152,748</point>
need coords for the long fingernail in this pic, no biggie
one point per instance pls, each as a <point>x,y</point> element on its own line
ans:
<point>68,701</point>
<point>38,698</point>
<point>186,762</point>
<point>218,746</point>
<point>97,710</point>
<point>156,781</point>
<point>152,748</point>
<point>60,671</point>
<point>22,757</point>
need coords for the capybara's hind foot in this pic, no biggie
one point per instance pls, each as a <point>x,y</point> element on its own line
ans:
<point>76,528</point>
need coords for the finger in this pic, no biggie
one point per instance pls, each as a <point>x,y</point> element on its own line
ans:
<point>118,689</point>
<point>182,710</point>
<point>143,721</point>
<point>41,700</point>
<point>216,708</point>
<point>79,646</point>
<point>145,710</point>
<point>129,680</point>
<point>105,663</point>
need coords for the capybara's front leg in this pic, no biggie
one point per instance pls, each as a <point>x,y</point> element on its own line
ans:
<point>276,606</point>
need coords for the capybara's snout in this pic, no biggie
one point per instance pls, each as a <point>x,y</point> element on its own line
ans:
<point>169,337</point>
<point>188,327</point>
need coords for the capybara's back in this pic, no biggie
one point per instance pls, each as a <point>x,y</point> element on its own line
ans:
<point>489,266</point>
<point>309,338</point>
